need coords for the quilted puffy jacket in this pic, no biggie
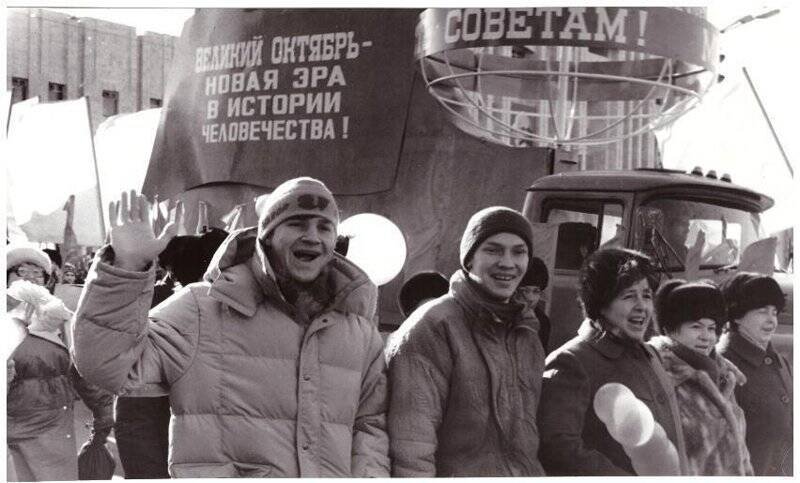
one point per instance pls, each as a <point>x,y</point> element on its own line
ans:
<point>465,385</point>
<point>252,392</point>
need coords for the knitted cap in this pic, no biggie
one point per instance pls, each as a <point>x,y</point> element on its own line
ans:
<point>421,286</point>
<point>746,291</point>
<point>678,301</point>
<point>17,254</point>
<point>296,197</point>
<point>488,222</point>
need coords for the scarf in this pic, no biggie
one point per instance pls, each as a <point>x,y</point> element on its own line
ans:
<point>698,361</point>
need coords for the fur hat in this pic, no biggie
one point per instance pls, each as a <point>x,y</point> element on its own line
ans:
<point>678,301</point>
<point>536,275</point>
<point>488,222</point>
<point>17,254</point>
<point>421,286</point>
<point>187,257</point>
<point>746,291</point>
<point>298,196</point>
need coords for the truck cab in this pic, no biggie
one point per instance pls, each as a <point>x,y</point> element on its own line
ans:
<point>663,213</point>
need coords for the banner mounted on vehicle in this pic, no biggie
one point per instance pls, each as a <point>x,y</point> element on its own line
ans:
<point>258,96</point>
<point>665,32</point>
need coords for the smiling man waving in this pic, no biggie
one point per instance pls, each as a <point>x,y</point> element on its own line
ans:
<point>273,363</point>
<point>465,369</point>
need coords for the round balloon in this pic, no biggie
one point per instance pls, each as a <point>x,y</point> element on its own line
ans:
<point>376,245</point>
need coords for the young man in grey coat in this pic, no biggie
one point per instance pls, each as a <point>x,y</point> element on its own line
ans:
<point>465,369</point>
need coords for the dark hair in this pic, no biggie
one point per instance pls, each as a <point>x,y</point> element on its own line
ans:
<point>607,272</point>
<point>536,275</point>
<point>678,301</point>
<point>421,286</point>
<point>187,257</point>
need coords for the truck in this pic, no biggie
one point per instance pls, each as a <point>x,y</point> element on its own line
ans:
<point>662,213</point>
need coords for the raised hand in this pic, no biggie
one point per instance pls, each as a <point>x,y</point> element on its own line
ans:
<point>135,245</point>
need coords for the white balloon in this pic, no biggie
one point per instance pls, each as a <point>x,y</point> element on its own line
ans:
<point>629,421</point>
<point>376,245</point>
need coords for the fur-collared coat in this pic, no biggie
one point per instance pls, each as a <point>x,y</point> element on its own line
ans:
<point>713,423</point>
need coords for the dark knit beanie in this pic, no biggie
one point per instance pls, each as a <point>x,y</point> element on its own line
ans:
<point>421,286</point>
<point>488,222</point>
<point>746,291</point>
<point>187,257</point>
<point>678,301</point>
<point>537,275</point>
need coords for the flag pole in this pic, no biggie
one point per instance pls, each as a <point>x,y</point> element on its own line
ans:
<point>96,172</point>
<point>769,122</point>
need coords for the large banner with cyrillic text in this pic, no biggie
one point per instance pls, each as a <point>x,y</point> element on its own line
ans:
<point>258,96</point>
<point>661,31</point>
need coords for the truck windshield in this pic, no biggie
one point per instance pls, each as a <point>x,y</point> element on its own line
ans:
<point>719,233</point>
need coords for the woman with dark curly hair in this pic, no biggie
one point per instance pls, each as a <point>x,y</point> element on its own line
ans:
<point>616,292</point>
<point>691,316</point>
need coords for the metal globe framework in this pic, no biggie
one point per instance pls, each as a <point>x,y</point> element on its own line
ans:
<point>567,76</point>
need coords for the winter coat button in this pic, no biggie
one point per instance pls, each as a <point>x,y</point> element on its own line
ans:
<point>69,436</point>
<point>785,399</point>
<point>325,321</point>
<point>768,360</point>
<point>306,377</point>
<point>64,408</point>
<point>305,447</point>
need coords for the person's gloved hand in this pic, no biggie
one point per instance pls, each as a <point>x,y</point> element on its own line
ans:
<point>95,461</point>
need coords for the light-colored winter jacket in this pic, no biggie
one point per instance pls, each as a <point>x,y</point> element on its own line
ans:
<point>252,392</point>
<point>713,423</point>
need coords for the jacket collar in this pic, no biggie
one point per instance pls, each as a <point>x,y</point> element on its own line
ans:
<point>479,307</point>
<point>242,278</point>
<point>748,351</point>
<point>49,336</point>
<point>682,362</point>
<point>611,346</point>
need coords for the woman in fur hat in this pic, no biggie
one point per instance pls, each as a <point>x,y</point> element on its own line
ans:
<point>42,382</point>
<point>616,291</point>
<point>754,302</point>
<point>691,316</point>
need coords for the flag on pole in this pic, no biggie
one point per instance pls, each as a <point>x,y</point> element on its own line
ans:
<point>202,217</point>
<point>42,175</point>
<point>159,214</point>
<point>231,219</point>
<point>123,144</point>
<point>241,216</point>
<point>70,250</point>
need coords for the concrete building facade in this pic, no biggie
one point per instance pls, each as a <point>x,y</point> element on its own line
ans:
<point>56,56</point>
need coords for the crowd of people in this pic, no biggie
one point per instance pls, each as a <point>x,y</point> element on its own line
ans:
<point>258,355</point>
